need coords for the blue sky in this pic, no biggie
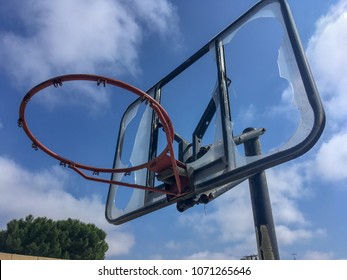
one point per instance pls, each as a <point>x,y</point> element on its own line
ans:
<point>140,42</point>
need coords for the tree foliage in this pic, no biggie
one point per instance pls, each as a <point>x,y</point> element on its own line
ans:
<point>65,239</point>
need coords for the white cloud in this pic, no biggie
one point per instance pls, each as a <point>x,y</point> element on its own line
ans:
<point>238,223</point>
<point>288,236</point>
<point>81,36</point>
<point>207,255</point>
<point>159,16</point>
<point>331,159</point>
<point>247,115</point>
<point>42,194</point>
<point>316,255</point>
<point>286,186</point>
<point>328,59</point>
<point>59,39</point>
<point>286,108</point>
<point>172,245</point>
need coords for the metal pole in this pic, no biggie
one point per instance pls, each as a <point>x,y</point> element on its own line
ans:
<point>261,205</point>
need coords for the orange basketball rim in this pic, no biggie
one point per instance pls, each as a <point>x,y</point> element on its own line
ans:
<point>164,161</point>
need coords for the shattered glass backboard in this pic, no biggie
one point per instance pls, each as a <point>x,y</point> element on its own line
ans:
<point>252,74</point>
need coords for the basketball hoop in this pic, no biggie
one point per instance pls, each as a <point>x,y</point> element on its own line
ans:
<point>165,160</point>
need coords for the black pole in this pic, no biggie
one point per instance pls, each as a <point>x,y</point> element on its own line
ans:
<point>261,205</point>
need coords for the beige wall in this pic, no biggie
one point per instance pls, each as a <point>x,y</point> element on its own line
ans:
<point>5,256</point>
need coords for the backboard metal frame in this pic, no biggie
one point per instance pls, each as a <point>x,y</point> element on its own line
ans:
<point>211,178</point>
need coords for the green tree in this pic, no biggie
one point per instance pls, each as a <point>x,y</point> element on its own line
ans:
<point>65,239</point>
